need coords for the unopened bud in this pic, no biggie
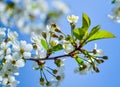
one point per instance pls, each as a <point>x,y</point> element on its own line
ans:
<point>58,77</point>
<point>96,69</point>
<point>53,25</point>
<point>44,35</point>
<point>7,40</point>
<point>55,71</point>
<point>60,37</point>
<point>94,51</point>
<point>67,38</point>
<point>105,57</point>
<point>82,67</point>
<point>42,81</point>
<point>57,30</point>
<point>57,62</point>
<point>99,61</point>
<point>54,35</point>
<point>48,84</point>
<point>34,46</point>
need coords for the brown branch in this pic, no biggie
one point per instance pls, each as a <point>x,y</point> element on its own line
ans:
<point>56,57</point>
<point>51,58</point>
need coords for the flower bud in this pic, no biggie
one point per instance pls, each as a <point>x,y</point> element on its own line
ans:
<point>44,35</point>
<point>55,71</point>
<point>99,61</point>
<point>60,37</point>
<point>58,77</point>
<point>105,57</point>
<point>53,26</point>
<point>54,35</point>
<point>67,38</point>
<point>34,46</point>
<point>57,30</point>
<point>7,40</point>
<point>57,62</point>
<point>42,81</point>
<point>82,67</point>
<point>95,69</point>
<point>94,51</point>
<point>48,83</point>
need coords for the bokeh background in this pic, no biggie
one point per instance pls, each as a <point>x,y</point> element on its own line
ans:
<point>109,75</point>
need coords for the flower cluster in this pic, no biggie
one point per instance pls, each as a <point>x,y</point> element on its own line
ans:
<point>12,55</point>
<point>45,45</point>
<point>116,11</point>
<point>91,60</point>
<point>31,15</point>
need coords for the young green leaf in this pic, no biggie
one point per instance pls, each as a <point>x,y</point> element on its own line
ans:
<point>79,61</point>
<point>101,34</point>
<point>79,33</point>
<point>85,20</point>
<point>44,44</point>
<point>57,48</point>
<point>94,30</point>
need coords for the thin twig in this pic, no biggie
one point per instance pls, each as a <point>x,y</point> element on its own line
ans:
<point>56,57</point>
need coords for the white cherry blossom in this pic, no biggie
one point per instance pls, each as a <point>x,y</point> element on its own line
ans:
<point>72,18</point>
<point>23,48</point>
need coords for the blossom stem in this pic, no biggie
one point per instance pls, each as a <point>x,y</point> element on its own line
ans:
<point>44,76</point>
<point>50,72</point>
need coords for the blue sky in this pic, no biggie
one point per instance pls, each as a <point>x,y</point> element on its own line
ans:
<point>109,75</point>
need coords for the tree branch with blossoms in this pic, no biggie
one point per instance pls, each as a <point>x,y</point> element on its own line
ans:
<point>14,53</point>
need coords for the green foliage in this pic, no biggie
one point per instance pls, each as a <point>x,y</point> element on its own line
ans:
<point>101,34</point>
<point>44,44</point>
<point>79,33</point>
<point>95,34</point>
<point>57,48</point>
<point>94,30</point>
<point>79,61</point>
<point>85,20</point>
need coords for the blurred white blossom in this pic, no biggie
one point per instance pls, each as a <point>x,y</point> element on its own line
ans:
<point>27,14</point>
<point>72,19</point>
<point>116,15</point>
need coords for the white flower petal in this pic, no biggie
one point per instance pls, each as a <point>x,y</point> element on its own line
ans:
<point>4,81</point>
<point>8,57</point>
<point>28,47</point>
<point>27,54</point>
<point>20,63</point>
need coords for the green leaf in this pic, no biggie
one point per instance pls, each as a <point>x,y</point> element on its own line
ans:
<point>36,68</point>
<point>79,61</point>
<point>94,30</point>
<point>44,44</point>
<point>57,48</point>
<point>85,20</point>
<point>79,33</point>
<point>101,34</point>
